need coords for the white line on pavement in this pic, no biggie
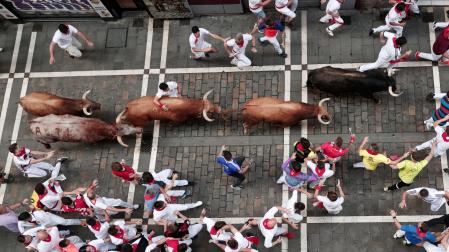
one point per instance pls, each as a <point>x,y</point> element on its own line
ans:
<point>16,128</point>
<point>90,73</point>
<point>367,219</point>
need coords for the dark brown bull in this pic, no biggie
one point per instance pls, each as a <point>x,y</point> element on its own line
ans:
<point>140,111</point>
<point>69,128</point>
<point>42,104</point>
<point>279,112</point>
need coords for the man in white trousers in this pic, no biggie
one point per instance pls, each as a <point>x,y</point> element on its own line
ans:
<point>121,232</point>
<point>236,49</point>
<point>50,194</point>
<point>270,30</point>
<point>294,207</point>
<point>332,15</point>
<point>435,198</point>
<point>268,225</point>
<point>287,8</point>
<point>440,49</point>
<point>64,38</point>
<point>199,47</point>
<point>439,113</point>
<point>390,54</point>
<point>442,138</point>
<point>215,228</point>
<point>395,20</point>
<point>167,179</point>
<point>33,219</point>
<point>256,7</point>
<point>32,167</point>
<point>440,25</point>
<point>164,212</point>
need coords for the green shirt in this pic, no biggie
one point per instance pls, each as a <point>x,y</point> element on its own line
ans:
<point>408,170</point>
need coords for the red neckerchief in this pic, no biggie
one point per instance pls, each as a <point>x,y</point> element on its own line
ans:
<point>173,244</point>
<point>241,43</point>
<point>120,234</point>
<point>161,208</point>
<point>97,226</point>
<point>299,147</point>
<point>196,38</point>
<point>319,171</point>
<point>372,152</point>
<point>394,43</point>
<point>294,173</point>
<point>48,238</point>
<point>213,231</point>
<point>253,239</point>
<point>21,152</point>
<point>148,197</point>
<point>265,224</point>
<point>420,233</point>
<point>52,188</point>
<point>445,137</point>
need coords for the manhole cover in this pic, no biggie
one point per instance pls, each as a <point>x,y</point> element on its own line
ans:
<point>116,37</point>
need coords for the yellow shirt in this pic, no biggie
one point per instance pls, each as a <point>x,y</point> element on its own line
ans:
<point>372,161</point>
<point>408,170</point>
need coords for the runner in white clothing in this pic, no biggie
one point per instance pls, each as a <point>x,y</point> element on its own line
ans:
<point>332,202</point>
<point>164,212</point>
<point>121,232</point>
<point>33,219</point>
<point>268,225</point>
<point>256,7</point>
<point>29,239</point>
<point>31,166</point>
<point>294,207</point>
<point>441,25</point>
<point>236,49</point>
<point>50,194</point>
<point>390,54</point>
<point>64,38</point>
<point>287,8</point>
<point>198,45</point>
<point>215,228</point>
<point>166,89</point>
<point>435,198</point>
<point>332,15</point>
<point>442,247</point>
<point>49,239</point>
<point>99,229</point>
<point>442,139</point>
<point>395,20</point>
<point>238,243</point>
<point>97,245</point>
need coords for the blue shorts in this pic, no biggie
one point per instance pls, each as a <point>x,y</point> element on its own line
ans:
<point>261,14</point>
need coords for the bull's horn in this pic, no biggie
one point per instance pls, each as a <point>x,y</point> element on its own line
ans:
<point>86,93</point>
<point>206,117</point>
<point>118,120</point>
<point>120,141</point>
<point>390,90</point>
<point>321,120</point>
<point>86,111</point>
<point>207,94</point>
<point>323,101</point>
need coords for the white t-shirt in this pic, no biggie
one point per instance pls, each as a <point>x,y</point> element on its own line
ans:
<point>199,42</point>
<point>332,207</point>
<point>333,5</point>
<point>290,205</point>
<point>223,236</point>
<point>388,51</point>
<point>281,4</point>
<point>99,245</point>
<point>51,199</point>
<point>442,146</point>
<point>23,161</point>
<point>242,243</point>
<point>47,246</point>
<point>268,233</point>
<point>395,17</point>
<point>129,230</point>
<point>254,6</point>
<point>236,49</point>
<point>172,90</point>
<point>64,40</point>
<point>166,213</point>
<point>435,198</point>
<point>33,232</point>
<point>102,233</point>
<point>327,167</point>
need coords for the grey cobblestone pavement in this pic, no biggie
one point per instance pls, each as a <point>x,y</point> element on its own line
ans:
<point>123,63</point>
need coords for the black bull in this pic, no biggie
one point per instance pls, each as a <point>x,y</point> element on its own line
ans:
<point>339,81</point>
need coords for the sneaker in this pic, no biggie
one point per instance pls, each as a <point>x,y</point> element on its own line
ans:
<point>417,55</point>
<point>238,188</point>
<point>405,243</point>
<point>207,55</point>
<point>198,203</point>
<point>371,32</point>
<point>281,180</point>
<point>283,55</point>
<point>329,32</point>
<point>446,170</point>
<point>428,125</point>
<point>186,194</point>
<point>434,25</point>
<point>135,206</point>
<point>61,159</point>
<point>211,241</point>
<point>429,98</point>
<point>385,189</point>
<point>234,61</point>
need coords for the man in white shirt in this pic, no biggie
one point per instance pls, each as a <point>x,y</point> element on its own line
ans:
<point>64,38</point>
<point>198,45</point>
<point>236,49</point>
<point>215,228</point>
<point>166,89</point>
<point>435,198</point>
<point>32,167</point>
<point>287,8</point>
<point>29,239</point>
<point>390,54</point>
<point>164,212</point>
<point>442,139</point>
<point>268,225</point>
<point>122,232</point>
<point>322,170</point>
<point>50,194</point>
<point>49,239</point>
<point>395,20</point>
<point>294,207</point>
<point>331,202</point>
<point>332,16</point>
<point>256,7</point>
<point>97,245</point>
<point>99,229</point>
<point>238,243</point>
<point>33,219</point>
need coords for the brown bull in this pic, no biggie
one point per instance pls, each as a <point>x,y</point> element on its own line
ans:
<point>141,111</point>
<point>42,104</point>
<point>279,112</point>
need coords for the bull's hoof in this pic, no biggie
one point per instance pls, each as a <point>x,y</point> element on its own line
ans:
<point>429,97</point>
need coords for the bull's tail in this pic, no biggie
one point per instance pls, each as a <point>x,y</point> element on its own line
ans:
<point>226,114</point>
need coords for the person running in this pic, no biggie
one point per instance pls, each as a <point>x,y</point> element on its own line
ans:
<point>440,48</point>
<point>441,112</point>
<point>287,8</point>
<point>333,151</point>
<point>238,242</point>
<point>435,198</point>
<point>409,169</point>
<point>332,202</point>
<point>50,193</point>
<point>8,218</point>
<point>412,234</point>
<point>294,207</point>
<point>199,47</point>
<point>268,225</point>
<point>215,228</point>
<point>270,30</point>
<point>371,157</point>
<point>441,138</point>
<point>64,38</point>
<point>166,89</point>
<point>236,49</point>
<point>125,172</point>
<point>164,212</point>
<point>395,20</point>
<point>332,15</point>
<point>256,7</point>
<point>234,167</point>
<point>292,175</point>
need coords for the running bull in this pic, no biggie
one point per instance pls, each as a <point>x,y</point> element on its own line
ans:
<point>69,128</point>
<point>338,81</point>
<point>140,111</point>
<point>280,112</point>
<point>42,104</point>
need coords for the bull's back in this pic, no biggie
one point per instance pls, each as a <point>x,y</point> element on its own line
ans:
<point>277,111</point>
<point>42,104</point>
